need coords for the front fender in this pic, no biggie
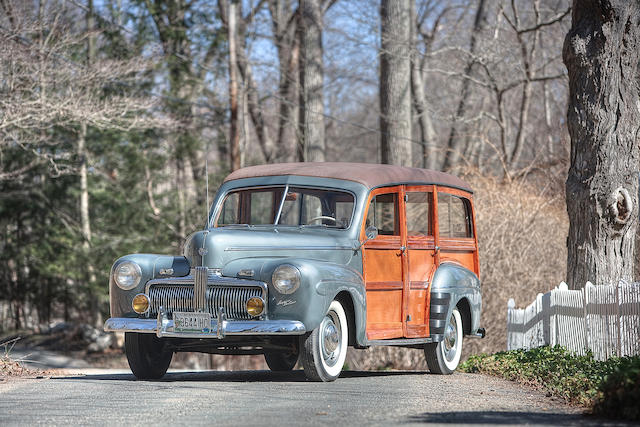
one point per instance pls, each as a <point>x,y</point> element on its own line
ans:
<point>151,265</point>
<point>321,282</point>
<point>452,283</point>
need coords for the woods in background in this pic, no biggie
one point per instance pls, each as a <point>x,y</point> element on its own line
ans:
<point>108,111</point>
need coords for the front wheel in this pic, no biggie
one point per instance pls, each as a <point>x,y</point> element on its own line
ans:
<point>323,352</point>
<point>147,355</point>
<point>281,362</point>
<point>444,357</point>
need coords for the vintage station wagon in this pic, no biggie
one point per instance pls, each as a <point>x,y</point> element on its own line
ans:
<point>301,260</point>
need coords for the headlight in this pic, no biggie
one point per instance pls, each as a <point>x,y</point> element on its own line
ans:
<point>127,275</point>
<point>286,279</point>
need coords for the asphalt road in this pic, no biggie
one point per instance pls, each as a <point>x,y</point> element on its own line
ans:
<point>265,398</point>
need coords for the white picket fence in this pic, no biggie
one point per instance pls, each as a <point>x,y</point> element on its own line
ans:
<point>602,319</point>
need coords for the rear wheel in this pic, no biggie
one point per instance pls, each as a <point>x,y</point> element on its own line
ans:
<point>323,352</point>
<point>147,355</point>
<point>444,357</point>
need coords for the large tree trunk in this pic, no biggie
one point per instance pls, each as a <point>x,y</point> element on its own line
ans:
<point>601,55</point>
<point>85,220</point>
<point>395,82</point>
<point>284,26</point>
<point>312,142</point>
<point>234,135</point>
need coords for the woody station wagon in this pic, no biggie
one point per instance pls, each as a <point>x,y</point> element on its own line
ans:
<point>301,260</point>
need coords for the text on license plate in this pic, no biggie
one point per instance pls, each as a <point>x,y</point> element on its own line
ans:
<point>189,322</point>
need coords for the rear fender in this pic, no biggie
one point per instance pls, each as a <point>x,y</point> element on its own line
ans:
<point>451,283</point>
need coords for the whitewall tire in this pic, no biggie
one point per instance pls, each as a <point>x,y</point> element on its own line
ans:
<point>323,352</point>
<point>444,357</point>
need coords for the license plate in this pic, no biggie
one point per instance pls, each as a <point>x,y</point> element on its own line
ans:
<point>191,322</point>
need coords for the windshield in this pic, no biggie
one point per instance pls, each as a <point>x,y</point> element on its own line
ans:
<point>300,207</point>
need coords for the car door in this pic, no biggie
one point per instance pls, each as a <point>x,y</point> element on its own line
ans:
<point>456,236</point>
<point>383,265</point>
<point>420,258</point>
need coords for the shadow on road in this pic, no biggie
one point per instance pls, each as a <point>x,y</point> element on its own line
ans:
<point>509,418</point>
<point>236,376</point>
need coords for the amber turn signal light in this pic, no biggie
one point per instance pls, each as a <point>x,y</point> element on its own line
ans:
<point>255,306</point>
<point>140,303</point>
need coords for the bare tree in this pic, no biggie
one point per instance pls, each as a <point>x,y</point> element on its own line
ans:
<point>601,55</point>
<point>311,145</point>
<point>455,142</point>
<point>251,100</point>
<point>284,24</point>
<point>395,82</point>
<point>234,134</point>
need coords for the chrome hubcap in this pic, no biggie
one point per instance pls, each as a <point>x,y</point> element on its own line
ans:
<point>450,339</point>
<point>330,338</point>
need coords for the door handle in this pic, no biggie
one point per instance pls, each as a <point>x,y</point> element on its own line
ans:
<point>403,250</point>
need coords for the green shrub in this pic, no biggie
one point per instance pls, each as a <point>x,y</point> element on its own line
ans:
<point>610,388</point>
<point>620,393</point>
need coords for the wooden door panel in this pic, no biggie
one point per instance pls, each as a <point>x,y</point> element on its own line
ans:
<point>383,266</point>
<point>421,268</point>
<point>384,287</point>
<point>420,259</point>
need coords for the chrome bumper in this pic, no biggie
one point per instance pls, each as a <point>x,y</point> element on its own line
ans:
<point>220,327</point>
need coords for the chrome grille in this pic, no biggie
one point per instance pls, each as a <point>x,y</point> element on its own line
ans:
<point>179,297</point>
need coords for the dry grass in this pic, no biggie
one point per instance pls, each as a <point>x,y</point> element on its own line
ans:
<point>522,231</point>
<point>8,366</point>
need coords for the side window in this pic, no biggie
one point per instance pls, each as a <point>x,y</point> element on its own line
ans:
<point>454,216</point>
<point>230,212</point>
<point>382,214</point>
<point>418,219</point>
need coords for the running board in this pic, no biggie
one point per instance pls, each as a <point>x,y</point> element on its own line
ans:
<point>401,341</point>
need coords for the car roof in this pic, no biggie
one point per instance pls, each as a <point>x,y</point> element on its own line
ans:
<point>369,174</point>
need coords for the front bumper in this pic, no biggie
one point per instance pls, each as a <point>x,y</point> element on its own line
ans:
<point>220,327</point>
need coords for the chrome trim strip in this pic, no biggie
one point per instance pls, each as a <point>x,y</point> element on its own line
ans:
<point>288,248</point>
<point>284,197</point>
<point>163,327</point>
<point>200,288</point>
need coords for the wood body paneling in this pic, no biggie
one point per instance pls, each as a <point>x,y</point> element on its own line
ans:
<point>398,269</point>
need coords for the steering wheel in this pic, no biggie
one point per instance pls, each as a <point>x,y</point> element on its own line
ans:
<point>330,218</point>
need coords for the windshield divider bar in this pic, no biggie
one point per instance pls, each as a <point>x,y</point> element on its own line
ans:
<point>284,197</point>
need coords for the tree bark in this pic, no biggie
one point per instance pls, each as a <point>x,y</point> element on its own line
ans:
<point>311,147</point>
<point>234,135</point>
<point>85,219</point>
<point>601,56</point>
<point>395,82</point>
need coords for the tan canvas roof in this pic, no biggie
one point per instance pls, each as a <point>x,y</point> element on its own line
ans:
<point>370,174</point>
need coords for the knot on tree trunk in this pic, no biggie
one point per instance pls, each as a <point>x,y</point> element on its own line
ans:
<point>620,206</point>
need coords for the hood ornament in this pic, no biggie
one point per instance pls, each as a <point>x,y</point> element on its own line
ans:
<point>202,251</point>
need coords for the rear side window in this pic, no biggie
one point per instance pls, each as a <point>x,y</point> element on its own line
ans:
<point>418,207</point>
<point>454,216</point>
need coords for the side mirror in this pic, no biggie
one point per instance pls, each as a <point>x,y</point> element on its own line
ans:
<point>371,233</point>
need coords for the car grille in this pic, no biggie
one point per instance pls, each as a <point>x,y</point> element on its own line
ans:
<point>179,297</point>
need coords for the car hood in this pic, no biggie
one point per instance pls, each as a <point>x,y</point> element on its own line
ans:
<point>216,247</point>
